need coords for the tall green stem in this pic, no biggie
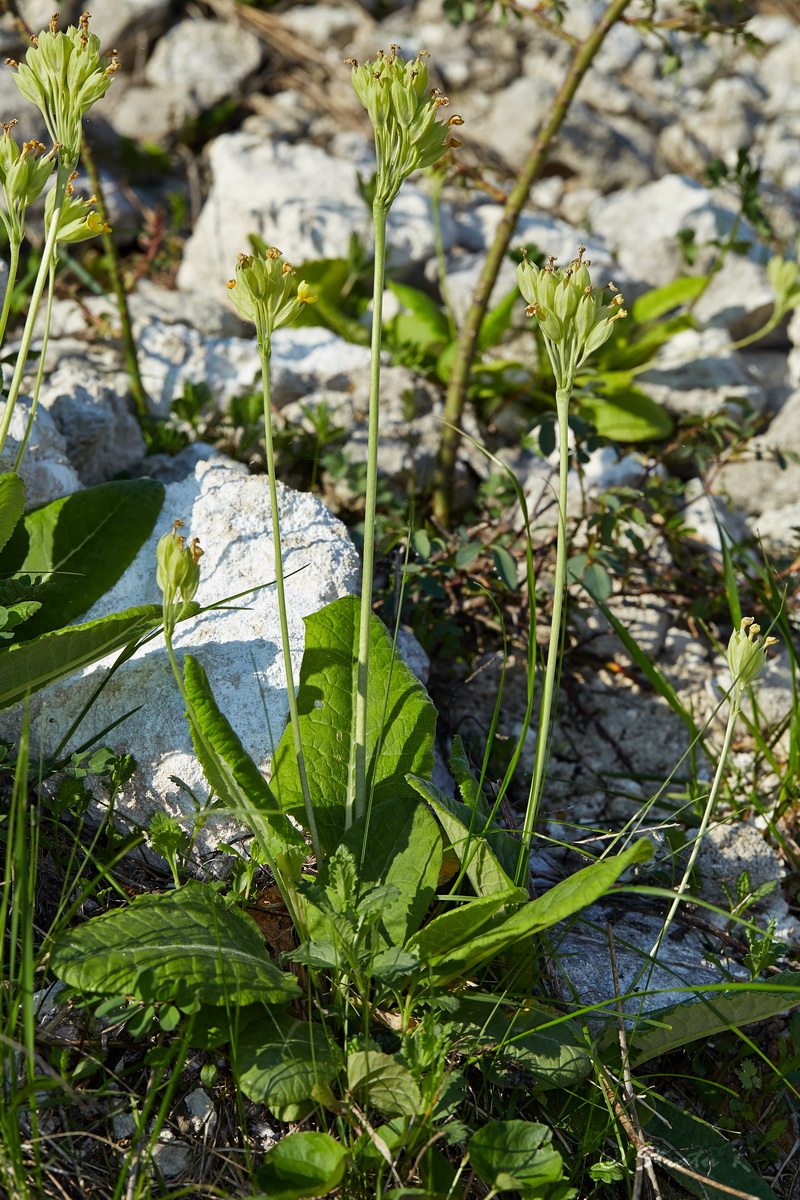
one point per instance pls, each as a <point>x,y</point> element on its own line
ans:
<point>62,179</point>
<point>554,647</point>
<point>357,802</point>
<point>13,266</point>
<point>517,198</point>
<point>711,804</point>
<point>265,351</point>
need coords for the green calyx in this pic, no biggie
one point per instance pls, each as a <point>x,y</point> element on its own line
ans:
<point>403,115</point>
<point>24,171</point>
<point>178,571</point>
<point>78,220</point>
<point>573,316</point>
<point>265,292</point>
<point>63,75</point>
<point>747,654</point>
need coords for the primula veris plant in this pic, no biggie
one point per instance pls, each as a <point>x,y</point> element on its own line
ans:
<point>77,219</point>
<point>177,573</point>
<point>747,654</point>
<point>64,74</point>
<point>265,292</point>
<point>24,171</point>
<point>402,111</point>
<point>573,316</point>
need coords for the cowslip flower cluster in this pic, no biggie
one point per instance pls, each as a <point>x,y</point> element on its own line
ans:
<point>78,220</point>
<point>177,572</point>
<point>265,292</point>
<point>24,171</point>
<point>403,115</point>
<point>573,316</point>
<point>64,74</point>
<point>747,654</point>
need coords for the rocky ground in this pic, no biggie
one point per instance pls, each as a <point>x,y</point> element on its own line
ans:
<point>228,120</point>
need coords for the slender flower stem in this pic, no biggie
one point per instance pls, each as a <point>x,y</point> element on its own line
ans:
<point>265,351</point>
<point>554,646</point>
<point>357,802</point>
<point>62,179</point>
<point>711,804</point>
<point>13,266</point>
<point>40,369</point>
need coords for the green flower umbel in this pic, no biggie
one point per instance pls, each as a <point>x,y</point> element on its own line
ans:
<point>572,315</point>
<point>403,116</point>
<point>747,654</point>
<point>63,75</point>
<point>265,292</point>
<point>23,174</point>
<point>177,573</point>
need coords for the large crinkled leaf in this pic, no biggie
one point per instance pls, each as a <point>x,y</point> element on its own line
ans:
<point>278,1059</point>
<point>542,1044</point>
<point>12,504</point>
<point>234,776</point>
<point>404,849</point>
<point>302,1166</point>
<point>627,416</point>
<point>463,828</point>
<point>516,1155</point>
<point>379,1081</point>
<point>664,1029</point>
<point>26,667</point>
<point>449,954</point>
<point>401,722</point>
<point>81,544</point>
<point>690,1142</point>
<point>176,947</point>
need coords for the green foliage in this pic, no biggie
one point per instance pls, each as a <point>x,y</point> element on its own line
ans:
<point>302,1166</point>
<point>400,735</point>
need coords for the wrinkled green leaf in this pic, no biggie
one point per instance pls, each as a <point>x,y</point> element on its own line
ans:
<point>27,667</point>
<point>234,776</point>
<point>81,544</point>
<point>278,1059</point>
<point>451,952</point>
<point>176,947</point>
<point>516,1155</point>
<point>401,719</point>
<point>302,1166</point>
<point>403,849</point>
<point>464,830</point>
<point>704,1016</point>
<point>554,1056</point>
<point>378,1081</point>
<point>693,1143</point>
<point>12,504</point>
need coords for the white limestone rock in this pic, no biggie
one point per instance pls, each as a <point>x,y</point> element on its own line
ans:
<point>239,647</point>
<point>204,60</point>
<point>101,435</point>
<point>696,372</point>
<point>296,197</point>
<point>45,466</point>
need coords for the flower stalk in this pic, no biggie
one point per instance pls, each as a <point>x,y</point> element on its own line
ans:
<point>408,137</point>
<point>575,320</point>
<point>265,292</point>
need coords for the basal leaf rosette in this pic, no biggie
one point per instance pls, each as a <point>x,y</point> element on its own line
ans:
<point>64,74</point>
<point>403,112</point>
<point>574,317</point>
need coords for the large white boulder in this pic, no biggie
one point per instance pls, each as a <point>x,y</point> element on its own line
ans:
<point>239,646</point>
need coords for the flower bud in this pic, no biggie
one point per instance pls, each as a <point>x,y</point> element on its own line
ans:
<point>747,654</point>
<point>572,316</point>
<point>178,567</point>
<point>63,75</point>
<point>265,292</point>
<point>403,116</point>
<point>78,220</point>
<point>23,175</point>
